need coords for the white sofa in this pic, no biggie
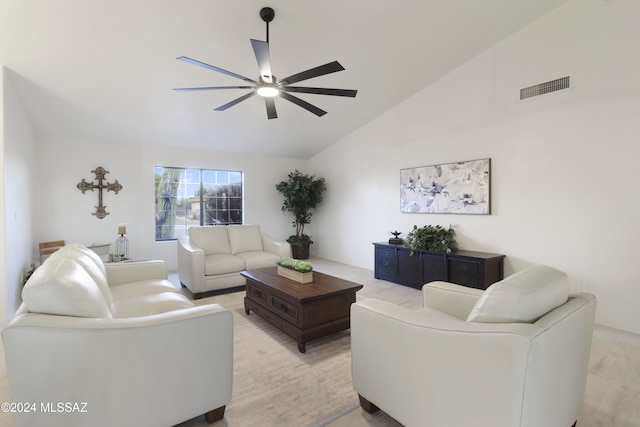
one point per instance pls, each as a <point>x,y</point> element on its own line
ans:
<point>114,344</point>
<point>514,355</point>
<point>212,257</point>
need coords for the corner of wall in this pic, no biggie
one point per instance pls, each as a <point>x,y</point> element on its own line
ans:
<point>17,164</point>
<point>3,272</point>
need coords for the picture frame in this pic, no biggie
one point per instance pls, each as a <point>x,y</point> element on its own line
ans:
<point>449,188</point>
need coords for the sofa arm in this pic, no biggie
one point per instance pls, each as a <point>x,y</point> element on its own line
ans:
<point>455,300</point>
<point>178,365</point>
<point>127,272</point>
<point>190,264</point>
<point>282,249</point>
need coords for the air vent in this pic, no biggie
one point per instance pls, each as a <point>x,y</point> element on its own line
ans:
<point>546,87</point>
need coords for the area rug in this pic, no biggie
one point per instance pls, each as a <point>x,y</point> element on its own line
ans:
<point>276,385</point>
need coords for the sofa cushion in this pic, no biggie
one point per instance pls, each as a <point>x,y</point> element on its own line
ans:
<point>147,305</point>
<point>62,286</point>
<point>212,239</point>
<point>522,297</point>
<point>222,264</point>
<point>245,238</point>
<point>258,259</point>
<point>141,288</point>
<point>93,265</point>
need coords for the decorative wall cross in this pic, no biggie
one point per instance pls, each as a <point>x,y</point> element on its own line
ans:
<point>83,186</point>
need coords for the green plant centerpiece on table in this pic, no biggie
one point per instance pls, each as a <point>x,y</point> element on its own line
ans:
<point>302,193</point>
<point>432,238</point>
<point>295,269</point>
<point>296,264</point>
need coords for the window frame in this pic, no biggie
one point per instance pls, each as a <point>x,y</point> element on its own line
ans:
<point>219,193</point>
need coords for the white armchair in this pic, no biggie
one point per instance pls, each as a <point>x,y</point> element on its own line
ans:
<point>514,355</point>
<point>115,345</point>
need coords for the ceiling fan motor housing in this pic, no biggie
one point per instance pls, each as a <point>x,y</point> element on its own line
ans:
<point>267,14</point>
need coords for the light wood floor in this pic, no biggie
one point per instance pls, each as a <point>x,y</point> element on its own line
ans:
<point>613,386</point>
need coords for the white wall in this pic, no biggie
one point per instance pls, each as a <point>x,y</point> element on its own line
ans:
<point>18,186</point>
<point>65,161</point>
<point>564,166</point>
<point>3,252</point>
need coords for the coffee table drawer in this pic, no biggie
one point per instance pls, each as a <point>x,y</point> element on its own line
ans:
<point>284,308</point>
<point>256,294</point>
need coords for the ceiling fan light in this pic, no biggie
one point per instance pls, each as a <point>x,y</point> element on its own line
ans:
<point>268,91</point>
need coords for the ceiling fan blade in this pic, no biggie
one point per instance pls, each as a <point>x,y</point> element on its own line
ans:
<point>190,89</point>
<point>236,101</point>
<point>219,70</point>
<point>261,50</point>
<point>321,91</point>
<point>271,108</point>
<point>304,104</point>
<point>329,68</point>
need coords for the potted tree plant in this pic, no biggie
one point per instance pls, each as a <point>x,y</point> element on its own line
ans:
<point>302,193</point>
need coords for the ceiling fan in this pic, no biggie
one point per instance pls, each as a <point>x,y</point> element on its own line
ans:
<point>267,85</point>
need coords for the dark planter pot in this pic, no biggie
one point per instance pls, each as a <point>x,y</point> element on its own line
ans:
<point>300,250</point>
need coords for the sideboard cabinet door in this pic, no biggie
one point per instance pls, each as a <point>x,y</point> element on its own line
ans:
<point>466,272</point>
<point>475,269</point>
<point>408,268</point>
<point>386,265</point>
<point>434,267</point>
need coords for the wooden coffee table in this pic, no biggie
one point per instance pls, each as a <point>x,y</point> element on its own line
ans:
<point>303,311</point>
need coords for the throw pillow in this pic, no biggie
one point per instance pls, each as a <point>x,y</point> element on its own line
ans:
<point>245,238</point>
<point>212,239</point>
<point>522,297</point>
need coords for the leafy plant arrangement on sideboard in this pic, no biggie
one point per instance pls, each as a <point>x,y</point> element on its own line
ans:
<point>302,193</point>
<point>432,238</point>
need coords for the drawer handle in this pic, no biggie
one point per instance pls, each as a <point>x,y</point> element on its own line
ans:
<point>283,307</point>
<point>257,293</point>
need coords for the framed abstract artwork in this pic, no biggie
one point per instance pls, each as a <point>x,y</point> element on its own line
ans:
<point>450,188</point>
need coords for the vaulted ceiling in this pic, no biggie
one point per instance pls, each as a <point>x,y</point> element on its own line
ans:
<point>105,70</point>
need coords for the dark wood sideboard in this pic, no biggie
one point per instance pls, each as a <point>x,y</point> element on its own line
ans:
<point>468,268</point>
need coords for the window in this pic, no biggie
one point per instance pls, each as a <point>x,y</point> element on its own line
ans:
<point>186,197</point>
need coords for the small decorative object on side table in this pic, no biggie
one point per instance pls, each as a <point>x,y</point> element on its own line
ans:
<point>122,243</point>
<point>395,240</point>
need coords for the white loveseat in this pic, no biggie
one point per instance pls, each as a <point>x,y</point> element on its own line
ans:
<point>515,355</point>
<point>212,257</point>
<point>115,344</point>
